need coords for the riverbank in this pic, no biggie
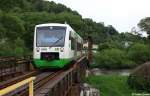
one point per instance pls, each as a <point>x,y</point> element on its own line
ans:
<point>110,85</point>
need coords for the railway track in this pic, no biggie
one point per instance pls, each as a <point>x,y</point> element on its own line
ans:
<point>61,84</point>
<point>8,76</point>
<point>45,81</point>
<point>11,72</point>
<point>7,83</point>
<point>41,79</point>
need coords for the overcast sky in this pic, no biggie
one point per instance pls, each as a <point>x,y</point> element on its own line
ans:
<point>122,14</point>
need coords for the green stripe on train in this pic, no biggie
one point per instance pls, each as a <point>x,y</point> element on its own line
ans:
<point>51,64</point>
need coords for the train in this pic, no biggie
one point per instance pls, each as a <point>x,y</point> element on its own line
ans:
<point>55,45</point>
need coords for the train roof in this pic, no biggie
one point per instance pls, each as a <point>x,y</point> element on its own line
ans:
<point>52,24</point>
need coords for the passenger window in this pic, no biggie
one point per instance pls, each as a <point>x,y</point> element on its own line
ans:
<point>72,43</point>
<point>79,46</point>
<point>69,35</point>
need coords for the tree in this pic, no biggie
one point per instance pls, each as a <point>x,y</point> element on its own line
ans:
<point>111,30</point>
<point>144,24</point>
<point>113,58</point>
<point>19,17</point>
<point>10,5</point>
<point>139,53</point>
<point>11,26</point>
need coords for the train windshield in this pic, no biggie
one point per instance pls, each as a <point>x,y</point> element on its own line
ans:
<point>51,36</point>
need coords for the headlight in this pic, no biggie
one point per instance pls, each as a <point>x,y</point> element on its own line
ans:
<point>61,49</point>
<point>37,49</point>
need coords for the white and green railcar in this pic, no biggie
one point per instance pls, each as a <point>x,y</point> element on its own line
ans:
<point>55,45</point>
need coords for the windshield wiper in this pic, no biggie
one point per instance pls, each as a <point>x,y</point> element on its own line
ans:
<point>56,42</point>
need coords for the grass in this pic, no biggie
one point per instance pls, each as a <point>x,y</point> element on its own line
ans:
<point>110,85</point>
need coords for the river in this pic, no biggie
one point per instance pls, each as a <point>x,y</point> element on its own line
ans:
<point>123,72</point>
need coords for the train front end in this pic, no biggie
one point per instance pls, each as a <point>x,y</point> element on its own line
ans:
<point>49,46</point>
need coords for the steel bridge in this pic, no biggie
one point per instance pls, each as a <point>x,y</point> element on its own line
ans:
<point>65,82</point>
<point>15,74</point>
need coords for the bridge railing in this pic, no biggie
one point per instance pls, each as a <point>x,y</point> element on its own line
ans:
<point>12,67</point>
<point>17,85</point>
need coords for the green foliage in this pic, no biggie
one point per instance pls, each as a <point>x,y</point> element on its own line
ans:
<point>111,44</point>
<point>20,49</point>
<point>139,53</point>
<point>144,24</point>
<point>13,48</point>
<point>12,26</point>
<point>116,55</point>
<point>129,37</point>
<point>11,30</point>
<point>123,50</point>
<point>110,85</point>
<point>139,83</point>
<point>19,17</point>
<point>11,5</point>
<point>139,79</point>
<point>111,30</point>
<point>113,58</point>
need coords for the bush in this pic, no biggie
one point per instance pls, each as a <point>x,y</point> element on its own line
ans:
<point>12,26</point>
<point>13,48</point>
<point>110,44</point>
<point>113,58</point>
<point>139,53</point>
<point>139,79</point>
<point>110,85</point>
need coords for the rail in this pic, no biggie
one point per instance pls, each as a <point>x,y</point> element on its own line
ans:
<point>40,81</point>
<point>66,83</point>
<point>17,85</point>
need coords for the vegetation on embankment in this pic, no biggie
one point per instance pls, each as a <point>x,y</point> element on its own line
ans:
<point>118,56</point>
<point>110,85</point>
<point>139,78</point>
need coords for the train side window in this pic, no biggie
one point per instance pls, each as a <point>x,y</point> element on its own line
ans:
<point>79,46</point>
<point>72,42</point>
<point>82,46</point>
<point>70,35</point>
